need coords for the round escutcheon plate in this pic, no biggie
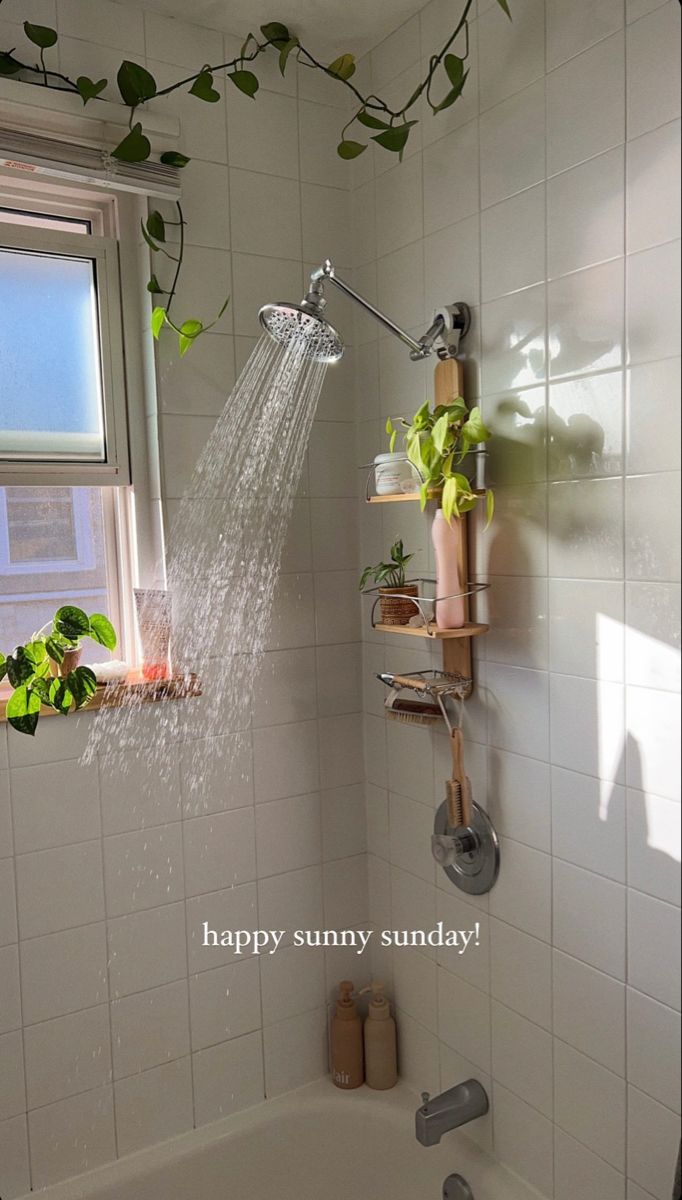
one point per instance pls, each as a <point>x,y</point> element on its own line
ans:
<point>475,872</point>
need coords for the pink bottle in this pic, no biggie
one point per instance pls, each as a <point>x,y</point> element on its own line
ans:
<point>450,614</point>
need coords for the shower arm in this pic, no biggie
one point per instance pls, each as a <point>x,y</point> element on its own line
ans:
<point>449,326</point>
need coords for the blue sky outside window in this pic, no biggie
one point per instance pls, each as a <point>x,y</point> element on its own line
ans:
<point>50,371</point>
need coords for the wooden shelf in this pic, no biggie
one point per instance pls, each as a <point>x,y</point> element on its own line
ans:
<point>134,688</point>
<point>401,497</point>
<point>471,629</point>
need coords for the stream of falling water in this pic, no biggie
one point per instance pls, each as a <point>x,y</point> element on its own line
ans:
<point>224,555</point>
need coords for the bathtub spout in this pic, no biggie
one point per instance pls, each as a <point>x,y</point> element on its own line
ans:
<point>458,1106</point>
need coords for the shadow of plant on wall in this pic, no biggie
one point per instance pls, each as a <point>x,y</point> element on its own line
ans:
<point>387,126</point>
<point>526,439</point>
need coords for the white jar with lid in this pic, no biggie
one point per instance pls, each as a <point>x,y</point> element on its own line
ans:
<point>394,475</point>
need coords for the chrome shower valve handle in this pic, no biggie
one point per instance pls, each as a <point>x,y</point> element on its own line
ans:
<point>447,848</point>
<point>470,856</point>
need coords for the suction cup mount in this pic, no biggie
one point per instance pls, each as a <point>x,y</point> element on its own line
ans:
<point>456,320</point>
<point>469,856</point>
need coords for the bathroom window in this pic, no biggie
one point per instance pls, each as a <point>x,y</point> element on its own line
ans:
<point>62,382</point>
<point>66,507</point>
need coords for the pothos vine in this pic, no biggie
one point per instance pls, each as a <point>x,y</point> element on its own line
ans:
<point>388,127</point>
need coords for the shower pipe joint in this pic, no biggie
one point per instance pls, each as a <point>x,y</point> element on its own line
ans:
<point>443,337</point>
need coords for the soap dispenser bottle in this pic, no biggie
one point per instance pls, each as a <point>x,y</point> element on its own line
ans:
<point>381,1050</point>
<point>346,1041</point>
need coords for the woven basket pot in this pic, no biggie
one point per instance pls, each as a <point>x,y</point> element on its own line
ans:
<point>395,608</point>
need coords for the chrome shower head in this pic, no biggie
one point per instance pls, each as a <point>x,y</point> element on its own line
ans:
<point>304,323</point>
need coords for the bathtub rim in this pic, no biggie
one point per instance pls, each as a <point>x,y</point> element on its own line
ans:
<point>401,1101</point>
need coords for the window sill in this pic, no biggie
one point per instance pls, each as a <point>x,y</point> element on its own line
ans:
<point>134,687</point>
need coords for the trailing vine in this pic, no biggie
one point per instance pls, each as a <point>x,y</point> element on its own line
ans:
<point>388,127</point>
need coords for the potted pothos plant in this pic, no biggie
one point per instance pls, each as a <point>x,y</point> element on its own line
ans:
<point>437,441</point>
<point>46,671</point>
<point>394,590</point>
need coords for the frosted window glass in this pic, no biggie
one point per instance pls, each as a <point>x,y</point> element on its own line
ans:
<point>50,373</point>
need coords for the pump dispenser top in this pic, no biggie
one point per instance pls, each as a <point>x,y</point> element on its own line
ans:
<point>379,1007</point>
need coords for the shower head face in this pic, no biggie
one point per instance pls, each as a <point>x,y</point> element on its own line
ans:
<point>287,323</point>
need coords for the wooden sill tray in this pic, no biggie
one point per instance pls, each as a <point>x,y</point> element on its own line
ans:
<point>134,687</point>
<point>471,629</point>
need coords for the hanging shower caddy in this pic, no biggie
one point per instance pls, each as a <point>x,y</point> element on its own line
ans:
<point>456,643</point>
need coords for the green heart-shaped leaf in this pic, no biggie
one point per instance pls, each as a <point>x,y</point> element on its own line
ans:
<point>152,244</point>
<point>285,52</point>
<point>23,710</point>
<point>55,649</point>
<point>60,696</point>
<point>371,122</point>
<point>35,652</point>
<point>452,95</point>
<point>475,430</point>
<point>40,35</point>
<point>3,666</point>
<point>173,158</point>
<point>395,139</point>
<point>347,149</point>
<point>82,683</point>
<point>87,89</point>
<point>135,147</point>
<point>275,31</point>
<point>156,226</point>
<point>203,88</point>
<point>102,631</point>
<point>189,332</point>
<point>454,67</point>
<point>489,507</point>
<point>9,64</point>
<point>71,622</point>
<point>158,321</point>
<point>246,81</point>
<point>135,83</point>
<point>154,287</point>
<point>343,67</point>
<point>505,8</point>
<point>19,667</point>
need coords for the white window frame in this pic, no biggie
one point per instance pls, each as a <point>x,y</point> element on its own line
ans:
<point>44,469</point>
<point>133,515</point>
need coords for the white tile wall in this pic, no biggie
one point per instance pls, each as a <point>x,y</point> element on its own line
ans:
<point>571,1003</point>
<point>524,200</point>
<point>132,1031</point>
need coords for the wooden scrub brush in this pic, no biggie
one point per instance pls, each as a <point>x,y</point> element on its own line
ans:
<point>413,712</point>
<point>458,789</point>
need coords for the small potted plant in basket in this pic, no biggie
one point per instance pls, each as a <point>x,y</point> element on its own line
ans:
<point>394,590</point>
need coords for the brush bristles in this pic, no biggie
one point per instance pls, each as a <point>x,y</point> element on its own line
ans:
<point>411,718</point>
<point>455,807</point>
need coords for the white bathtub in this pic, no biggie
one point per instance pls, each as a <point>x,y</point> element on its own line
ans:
<point>313,1144</point>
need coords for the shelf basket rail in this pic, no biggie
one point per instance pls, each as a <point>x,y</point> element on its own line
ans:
<point>429,620</point>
